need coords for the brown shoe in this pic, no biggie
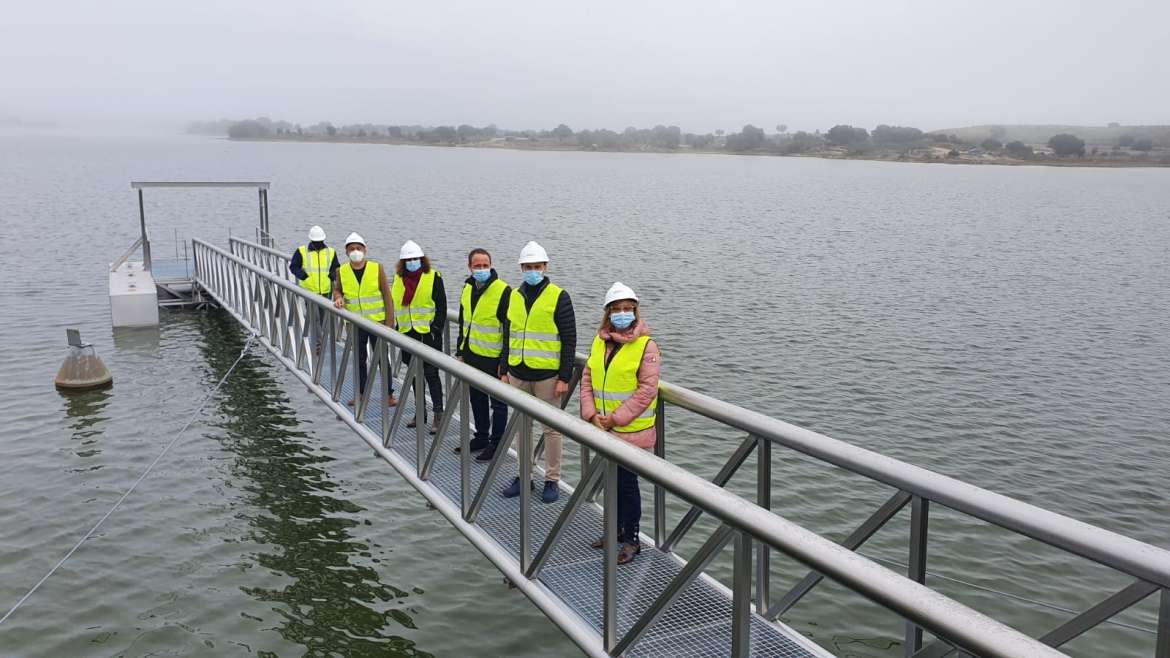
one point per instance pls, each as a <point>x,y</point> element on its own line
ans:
<point>628,552</point>
<point>391,401</point>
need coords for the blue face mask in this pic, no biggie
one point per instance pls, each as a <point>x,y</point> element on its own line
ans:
<point>621,319</point>
<point>533,277</point>
<point>413,264</point>
<point>481,275</point>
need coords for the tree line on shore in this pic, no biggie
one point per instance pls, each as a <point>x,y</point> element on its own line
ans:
<point>843,139</point>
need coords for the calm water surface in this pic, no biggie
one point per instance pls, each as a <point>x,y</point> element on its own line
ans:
<point>1004,325</point>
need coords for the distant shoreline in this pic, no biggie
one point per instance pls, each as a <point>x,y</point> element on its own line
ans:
<point>837,153</point>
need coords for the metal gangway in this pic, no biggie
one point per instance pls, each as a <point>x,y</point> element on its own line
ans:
<point>661,604</point>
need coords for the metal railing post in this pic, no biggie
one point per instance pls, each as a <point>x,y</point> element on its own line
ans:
<point>355,376</point>
<point>465,450</point>
<point>659,492</point>
<point>420,411</point>
<point>919,522</point>
<point>741,597</point>
<point>609,577</point>
<point>387,382</point>
<point>146,262</point>
<point>764,500</point>
<point>524,457</point>
<point>1163,645</point>
<point>447,350</point>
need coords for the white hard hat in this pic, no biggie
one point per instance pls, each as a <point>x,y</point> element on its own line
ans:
<point>410,249</point>
<point>316,234</point>
<point>354,238</point>
<point>533,253</point>
<point>618,291</point>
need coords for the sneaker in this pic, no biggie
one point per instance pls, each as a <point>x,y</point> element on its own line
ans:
<point>475,446</point>
<point>391,401</point>
<point>514,489</point>
<point>552,491</point>
<point>599,544</point>
<point>488,454</point>
<point>434,429</point>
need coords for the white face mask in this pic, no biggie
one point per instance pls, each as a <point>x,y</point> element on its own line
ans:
<point>357,256</point>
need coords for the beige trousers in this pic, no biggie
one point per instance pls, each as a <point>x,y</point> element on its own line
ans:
<point>553,441</point>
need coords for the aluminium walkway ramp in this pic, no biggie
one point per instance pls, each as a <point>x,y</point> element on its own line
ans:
<point>697,624</point>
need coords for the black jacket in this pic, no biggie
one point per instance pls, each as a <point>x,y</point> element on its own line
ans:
<point>493,365</point>
<point>297,267</point>
<point>566,321</point>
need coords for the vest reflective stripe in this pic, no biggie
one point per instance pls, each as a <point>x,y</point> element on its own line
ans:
<point>316,265</point>
<point>419,315</point>
<point>533,338</point>
<point>614,385</point>
<point>364,298</point>
<point>482,329</point>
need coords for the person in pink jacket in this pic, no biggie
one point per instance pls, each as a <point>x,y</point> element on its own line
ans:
<point>619,394</point>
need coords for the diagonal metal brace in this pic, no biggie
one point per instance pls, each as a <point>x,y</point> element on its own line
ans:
<point>707,552</point>
<point>580,495</point>
<point>1106,609</point>
<point>852,542</point>
<point>444,423</point>
<point>721,478</point>
<point>493,468</point>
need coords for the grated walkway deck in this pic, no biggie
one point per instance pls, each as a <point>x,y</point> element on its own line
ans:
<point>697,624</point>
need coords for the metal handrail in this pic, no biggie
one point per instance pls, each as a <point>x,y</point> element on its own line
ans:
<point>965,628</point>
<point>1130,556</point>
<point>129,252</point>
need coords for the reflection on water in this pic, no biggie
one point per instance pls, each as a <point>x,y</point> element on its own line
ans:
<point>143,341</point>
<point>86,411</point>
<point>334,604</point>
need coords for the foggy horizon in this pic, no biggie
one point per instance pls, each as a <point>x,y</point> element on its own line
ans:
<point>610,66</point>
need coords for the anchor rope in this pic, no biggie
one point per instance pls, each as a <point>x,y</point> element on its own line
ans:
<point>247,345</point>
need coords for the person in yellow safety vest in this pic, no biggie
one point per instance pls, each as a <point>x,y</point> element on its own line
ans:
<point>540,346</point>
<point>361,287</point>
<point>619,394</point>
<point>420,312</point>
<point>315,265</point>
<point>483,314</point>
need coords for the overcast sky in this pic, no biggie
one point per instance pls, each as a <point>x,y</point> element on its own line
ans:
<point>591,64</point>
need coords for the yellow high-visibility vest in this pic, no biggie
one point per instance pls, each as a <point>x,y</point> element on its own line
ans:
<point>421,312</point>
<point>316,264</point>
<point>615,384</point>
<point>482,328</point>
<point>533,338</point>
<point>365,298</point>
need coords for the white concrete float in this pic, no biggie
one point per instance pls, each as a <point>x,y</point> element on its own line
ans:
<point>133,296</point>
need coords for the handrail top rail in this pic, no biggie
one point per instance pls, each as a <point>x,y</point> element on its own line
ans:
<point>1128,555</point>
<point>967,628</point>
<point>142,184</point>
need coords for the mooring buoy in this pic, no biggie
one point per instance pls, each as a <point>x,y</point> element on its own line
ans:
<point>83,369</point>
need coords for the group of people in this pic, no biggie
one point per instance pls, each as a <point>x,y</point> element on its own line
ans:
<point>526,336</point>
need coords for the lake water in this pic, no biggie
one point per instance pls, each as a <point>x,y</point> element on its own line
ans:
<point>1004,325</point>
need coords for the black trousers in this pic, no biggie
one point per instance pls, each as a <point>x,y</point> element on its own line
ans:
<point>629,506</point>
<point>491,415</point>
<point>364,340</point>
<point>430,372</point>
